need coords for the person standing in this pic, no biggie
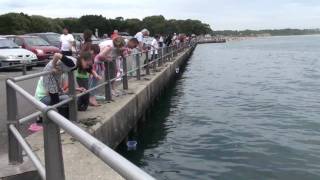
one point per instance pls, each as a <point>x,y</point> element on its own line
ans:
<point>174,38</point>
<point>161,41</point>
<point>66,43</point>
<point>82,74</point>
<point>87,44</point>
<point>168,40</point>
<point>155,47</point>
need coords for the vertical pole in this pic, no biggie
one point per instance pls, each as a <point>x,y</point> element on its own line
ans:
<point>107,87</point>
<point>52,149</point>
<point>73,105</point>
<point>147,63</point>
<point>172,52</point>
<point>24,69</point>
<point>169,53</point>
<point>14,148</point>
<point>125,75</point>
<point>165,54</point>
<point>138,66</point>
<point>154,60</point>
<point>160,57</point>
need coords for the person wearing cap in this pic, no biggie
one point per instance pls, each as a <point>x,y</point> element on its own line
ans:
<point>140,35</point>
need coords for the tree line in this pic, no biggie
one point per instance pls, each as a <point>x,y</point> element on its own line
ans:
<point>20,23</point>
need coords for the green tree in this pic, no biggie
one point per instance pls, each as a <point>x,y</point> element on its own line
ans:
<point>19,23</point>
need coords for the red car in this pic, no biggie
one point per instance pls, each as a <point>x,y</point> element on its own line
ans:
<point>35,44</point>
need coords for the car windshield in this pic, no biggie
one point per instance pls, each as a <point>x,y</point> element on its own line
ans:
<point>36,41</point>
<point>53,37</point>
<point>7,44</point>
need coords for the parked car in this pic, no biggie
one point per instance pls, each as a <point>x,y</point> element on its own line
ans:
<point>52,38</point>
<point>125,35</point>
<point>35,44</point>
<point>78,37</point>
<point>12,54</point>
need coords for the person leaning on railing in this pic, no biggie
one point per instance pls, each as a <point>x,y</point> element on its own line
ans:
<point>110,49</point>
<point>50,87</point>
<point>140,37</point>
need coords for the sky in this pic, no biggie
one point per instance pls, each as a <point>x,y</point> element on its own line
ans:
<point>220,14</point>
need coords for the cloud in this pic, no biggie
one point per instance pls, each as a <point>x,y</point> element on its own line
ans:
<point>220,14</point>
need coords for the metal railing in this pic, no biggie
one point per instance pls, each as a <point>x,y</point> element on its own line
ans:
<point>53,121</point>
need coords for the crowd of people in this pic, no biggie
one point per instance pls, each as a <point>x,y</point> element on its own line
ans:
<point>88,66</point>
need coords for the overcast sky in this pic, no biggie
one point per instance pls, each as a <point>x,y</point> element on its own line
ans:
<point>220,14</point>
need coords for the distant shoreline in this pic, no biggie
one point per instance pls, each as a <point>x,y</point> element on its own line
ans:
<point>241,38</point>
<point>267,32</point>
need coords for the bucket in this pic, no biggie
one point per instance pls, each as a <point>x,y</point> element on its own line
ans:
<point>132,145</point>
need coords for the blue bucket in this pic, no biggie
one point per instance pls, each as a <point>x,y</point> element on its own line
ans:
<point>132,145</point>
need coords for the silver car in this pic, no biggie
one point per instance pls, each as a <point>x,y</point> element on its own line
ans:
<point>11,54</point>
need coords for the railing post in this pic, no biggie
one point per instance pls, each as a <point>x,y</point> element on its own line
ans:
<point>160,57</point>
<point>165,54</point>
<point>73,104</point>
<point>147,63</point>
<point>172,51</point>
<point>125,73</point>
<point>138,72</point>
<point>14,148</point>
<point>52,149</point>
<point>154,59</point>
<point>24,69</point>
<point>107,87</point>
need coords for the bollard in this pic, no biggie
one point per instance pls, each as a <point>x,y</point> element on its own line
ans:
<point>125,73</point>
<point>14,148</point>
<point>147,63</point>
<point>73,104</point>
<point>52,149</point>
<point>107,87</point>
<point>138,66</point>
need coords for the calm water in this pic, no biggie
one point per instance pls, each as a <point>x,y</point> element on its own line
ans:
<point>242,110</point>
